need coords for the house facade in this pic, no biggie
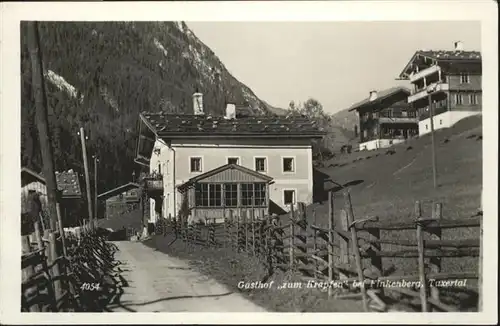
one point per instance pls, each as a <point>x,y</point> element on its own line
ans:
<point>182,147</point>
<point>452,79</point>
<point>385,119</point>
<point>121,200</point>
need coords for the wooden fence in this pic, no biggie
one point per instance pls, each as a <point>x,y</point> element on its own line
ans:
<point>349,250</point>
<point>68,273</point>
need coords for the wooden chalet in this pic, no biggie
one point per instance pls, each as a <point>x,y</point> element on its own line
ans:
<point>121,200</point>
<point>229,190</point>
<point>69,189</point>
<point>385,118</point>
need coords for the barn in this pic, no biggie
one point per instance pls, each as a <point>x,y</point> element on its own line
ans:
<point>121,200</point>
<point>33,183</point>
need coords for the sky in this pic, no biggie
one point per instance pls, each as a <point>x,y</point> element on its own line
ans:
<point>337,63</point>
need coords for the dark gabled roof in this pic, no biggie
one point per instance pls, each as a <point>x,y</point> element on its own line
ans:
<point>118,190</point>
<point>243,169</point>
<point>381,95</point>
<point>67,181</point>
<point>188,125</point>
<point>443,55</point>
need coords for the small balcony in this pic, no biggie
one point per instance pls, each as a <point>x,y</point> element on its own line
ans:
<point>424,73</point>
<point>398,120</point>
<point>423,93</point>
<point>132,198</point>
<point>437,110</point>
<point>152,183</point>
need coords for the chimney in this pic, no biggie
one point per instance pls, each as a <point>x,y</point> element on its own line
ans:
<point>459,46</point>
<point>373,95</point>
<point>230,111</point>
<point>198,103</point>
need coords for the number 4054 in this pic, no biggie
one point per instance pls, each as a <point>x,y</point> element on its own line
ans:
<point>90,287</point>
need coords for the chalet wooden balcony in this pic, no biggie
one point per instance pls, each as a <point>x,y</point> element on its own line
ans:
<point>131,199</point>
<point>437,111</point>
<point>422,93</point>
<point>396,120</point>
<point>424,73</point>
<point>152,183</point>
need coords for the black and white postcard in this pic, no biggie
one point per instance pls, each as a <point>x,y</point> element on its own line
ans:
<point>254,162</point>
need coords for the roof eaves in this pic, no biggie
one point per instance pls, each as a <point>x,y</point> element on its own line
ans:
<point>147,122</point>
<point>33,173</point>
<point>251,172</point>
<point>316,134</point>
<point>403,72</point>
<point>115,190</point>
<point>366,101</point>
<point>220,169</point>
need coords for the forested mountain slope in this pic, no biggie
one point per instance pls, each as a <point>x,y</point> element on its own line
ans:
<point>100,75</point>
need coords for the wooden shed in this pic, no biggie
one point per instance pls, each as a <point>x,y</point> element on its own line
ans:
<point>67,184</point>
<point>229,190</point>
<point>121,200</point>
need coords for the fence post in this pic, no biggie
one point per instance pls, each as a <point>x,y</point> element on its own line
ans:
<point>28,272</point>
<point>46,233</point>
<point>276,243</point>
<point>190,234</point>
<point>196,226</point>
<point>292,236</point>
<point>55,266</point>
<point>185,234</point>
<point>375,260</point>
<point>354,239</point>
<point>238,233</point>
<point>252,221</point>
<point>302,232</point>
<point>61,228</point>
<point>245,225</point>
<point>344,242</point>
<point>435,262</point>
<point>208,227</point>
<point>213,230</point>
<point>421,263</point>
<point>267,245</point>
<point>331,217</point>
<point>38,236</point>
<point>262,234</point>
<point>225,230</point>
<point>315,244</point>
<point>231,231</point>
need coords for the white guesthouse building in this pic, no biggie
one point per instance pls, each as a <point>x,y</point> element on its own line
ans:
<point>181,147</point>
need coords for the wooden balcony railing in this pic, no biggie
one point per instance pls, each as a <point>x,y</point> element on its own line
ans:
<point>152,182</point>
<point>437,110</point>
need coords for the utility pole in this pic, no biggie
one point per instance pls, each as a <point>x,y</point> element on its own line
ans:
<point>87,178</point>
<point>96,160</point>
<point>430,90</point>
<point>43,120</point>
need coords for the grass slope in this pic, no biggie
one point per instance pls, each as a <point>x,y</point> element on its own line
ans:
<point>388,185</point>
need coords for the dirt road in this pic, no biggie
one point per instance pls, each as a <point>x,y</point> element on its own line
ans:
<point>161,283</point>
